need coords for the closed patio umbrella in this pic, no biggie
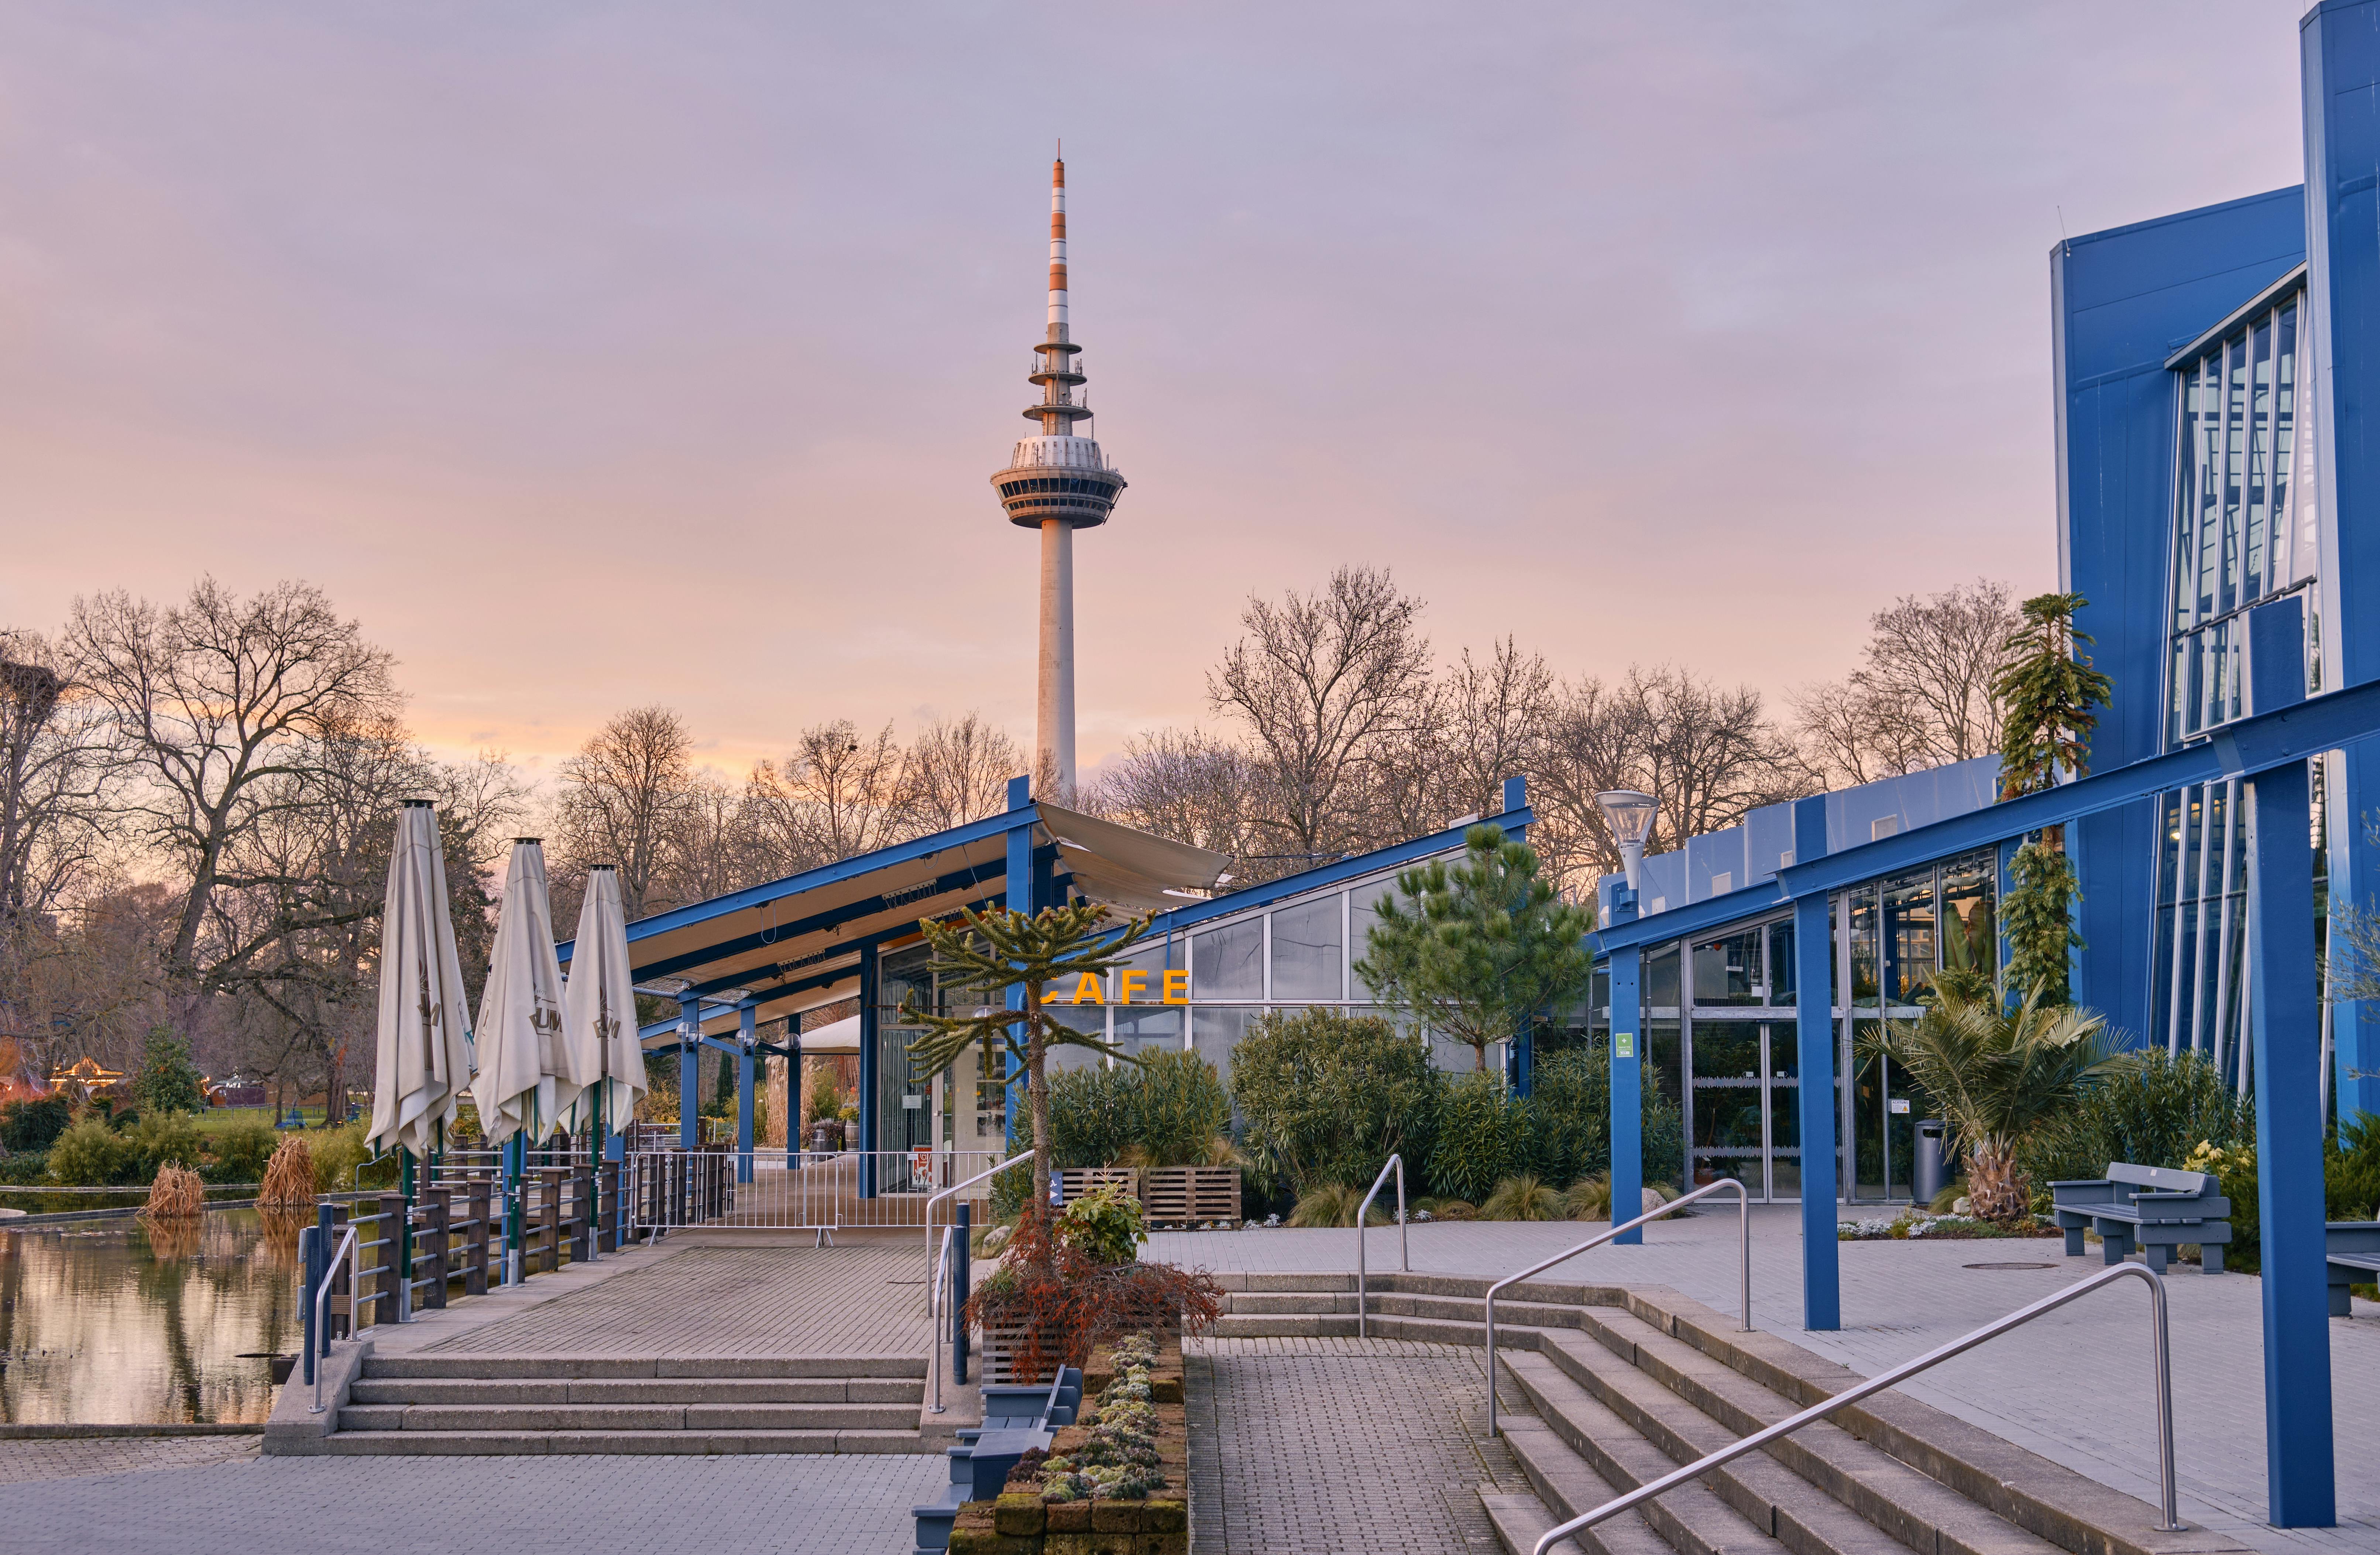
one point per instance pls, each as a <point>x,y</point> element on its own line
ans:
<point>527,1078</point>
<point>425,1023</point>
<point>599,1018</point>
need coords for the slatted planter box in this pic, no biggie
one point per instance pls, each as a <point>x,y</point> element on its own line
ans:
<point>1184,1195</point>
<point>996,1348</point>
<point>1076,1180</point>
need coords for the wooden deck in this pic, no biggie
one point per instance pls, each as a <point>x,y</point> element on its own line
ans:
<point>705,1301</point>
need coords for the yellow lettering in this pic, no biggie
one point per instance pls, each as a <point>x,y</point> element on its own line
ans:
<point>1130,981</point>
<point>1177,988</point>
<point>1086,990</point>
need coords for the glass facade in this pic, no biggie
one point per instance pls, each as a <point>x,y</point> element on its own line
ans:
<point>1723,1040</point>
<point>2243,534</point>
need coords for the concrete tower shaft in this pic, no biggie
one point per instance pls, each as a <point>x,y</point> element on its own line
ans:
<point>1057,482</point>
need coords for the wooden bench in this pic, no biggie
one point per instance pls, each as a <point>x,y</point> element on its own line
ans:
<point>2154,1209</point>
<point>2352,1251</point>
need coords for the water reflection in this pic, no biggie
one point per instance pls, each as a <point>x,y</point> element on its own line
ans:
<point>133,1323</point>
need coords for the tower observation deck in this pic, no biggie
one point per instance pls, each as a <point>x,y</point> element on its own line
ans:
<point>1057,482</point>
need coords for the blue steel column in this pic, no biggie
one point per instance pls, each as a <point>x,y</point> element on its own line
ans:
<point>793,1092</point>
<point>1524,1041</point>
<point>689,1071</point>
<point>869,1067</point>
<point>2286,1008</point>
<point>745,1037</point>
<point>1627,1073</point>
<point>1020,899</point>
<point>1814,1019</point>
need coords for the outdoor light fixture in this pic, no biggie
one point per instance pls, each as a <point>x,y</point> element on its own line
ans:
<point>1630,816</point>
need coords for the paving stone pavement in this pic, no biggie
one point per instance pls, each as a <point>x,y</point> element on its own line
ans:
<point>1308,1445</point>
<point>2072,1386</point>
<point>63,1458</point>
<point>745,1505</point>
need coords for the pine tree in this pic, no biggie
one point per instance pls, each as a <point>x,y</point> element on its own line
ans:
<point>1051,952</point>
<point>1476,951</point>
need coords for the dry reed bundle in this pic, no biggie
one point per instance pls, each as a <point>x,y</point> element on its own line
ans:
<point>177,1194</point>
<point>289,1177</point>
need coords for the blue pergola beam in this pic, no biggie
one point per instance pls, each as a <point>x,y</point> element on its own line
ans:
<point>850,912</point>
<point>810,880</point>
<point>2250,745</point>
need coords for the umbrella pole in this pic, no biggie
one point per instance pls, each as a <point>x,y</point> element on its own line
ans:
<point>404,1237</point>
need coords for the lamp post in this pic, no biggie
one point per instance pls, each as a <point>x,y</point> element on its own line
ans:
<point>1630,816</point>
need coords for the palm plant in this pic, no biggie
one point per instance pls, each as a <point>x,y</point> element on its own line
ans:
<point>2000,1076</point>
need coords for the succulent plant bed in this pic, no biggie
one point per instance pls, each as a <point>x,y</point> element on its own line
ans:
<point>1917,1225</point>
<point>1116,1483</point>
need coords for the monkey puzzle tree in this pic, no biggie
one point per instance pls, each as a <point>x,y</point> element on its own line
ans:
<point>2048,695</point>
<point>1050,953</point>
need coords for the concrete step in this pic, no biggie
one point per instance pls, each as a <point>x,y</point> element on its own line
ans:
<point>538,1366</point>
<point>515,1418</point>
<point>686,1443</point>
<point>1703,1404</point>
<point>1281,1303</point>
<point>1582,1454</point>
<point>609,1391</point>
<point>1520,1521</point>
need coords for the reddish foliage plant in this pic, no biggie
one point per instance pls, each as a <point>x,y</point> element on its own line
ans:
<point>1063,1303</point>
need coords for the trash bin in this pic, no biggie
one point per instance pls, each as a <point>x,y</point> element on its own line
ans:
<point>1929,1179</point>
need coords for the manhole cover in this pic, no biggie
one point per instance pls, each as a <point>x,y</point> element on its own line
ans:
<point>2010,1266</point>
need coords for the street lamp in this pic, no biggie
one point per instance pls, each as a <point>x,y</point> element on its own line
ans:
<point>1630,816</point>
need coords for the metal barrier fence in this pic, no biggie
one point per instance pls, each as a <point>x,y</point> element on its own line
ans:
<point>794,1190</point>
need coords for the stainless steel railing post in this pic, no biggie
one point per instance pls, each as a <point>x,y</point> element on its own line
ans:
<point>322,1336</point>
<point>1743,1218</point>
<point>1404,1253</point>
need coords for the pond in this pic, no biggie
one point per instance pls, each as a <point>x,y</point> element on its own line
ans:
<point>115,1322</point>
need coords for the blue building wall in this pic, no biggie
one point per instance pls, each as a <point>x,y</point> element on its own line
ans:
<point>2123,301</point>
<point>2340,50</point>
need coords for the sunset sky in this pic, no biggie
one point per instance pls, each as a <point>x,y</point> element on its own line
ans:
<point>599,354</point>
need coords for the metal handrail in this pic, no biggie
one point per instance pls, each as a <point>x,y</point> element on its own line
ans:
<point>355,1299</point>
<point>1404,1254</point>
<point>1906,1369</point>
<point>934,1312</point>
<point>993,1172</point>
<point>1744,1219</point>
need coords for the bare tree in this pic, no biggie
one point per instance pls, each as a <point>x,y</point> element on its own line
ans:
<point>214,705</point>
<point>711,851</point>
<point>1921,695</point>
<point>1855,731</point>
<point>1709,755</point>
<point>1191,786</point>
<point>623,798</point>
<point>1500,711</point>
<point>837,796</point>
<point>52,794</point>
<point>1321,681</point>
<point>957,772</point>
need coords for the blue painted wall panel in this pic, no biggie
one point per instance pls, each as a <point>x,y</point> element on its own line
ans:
<point>2341,58</point>
<point>2121,303</point>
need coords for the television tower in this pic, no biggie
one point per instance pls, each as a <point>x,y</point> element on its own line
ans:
<point>1057,482</point>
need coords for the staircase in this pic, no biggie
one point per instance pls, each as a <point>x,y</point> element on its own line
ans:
<point>1606,1389</point>
<point>469,1403</point>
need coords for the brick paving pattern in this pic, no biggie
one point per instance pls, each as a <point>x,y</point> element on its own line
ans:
<point>1305,1445</point>
<point>854,1505</point>
<point>858,1300</point>
<point>64,1458</point>
<point>2071,1386</point>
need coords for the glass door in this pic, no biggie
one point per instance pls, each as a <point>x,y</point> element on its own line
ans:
<point>1730,1104</point>
<point>1781,1080</point>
